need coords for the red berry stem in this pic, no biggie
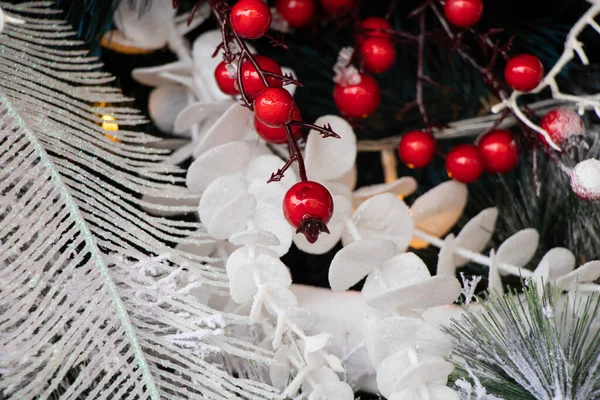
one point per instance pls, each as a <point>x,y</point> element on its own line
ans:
<point>295,155</point>
<point>326,131</point>
<point>420,76</point>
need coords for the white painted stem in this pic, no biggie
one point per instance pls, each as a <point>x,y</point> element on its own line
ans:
<point>478,258</point>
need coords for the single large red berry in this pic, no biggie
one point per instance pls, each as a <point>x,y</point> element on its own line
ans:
<point>296,13</point>
<point>378,54</point>
<point>337,6</point>
<point>224,80</point>
<point>278,135</point>
<point>308,207</point>
<point>524,72</point>
<point>250,18</point>
<point>463,163</point>
<point>562,125</point>
<point>357,101</point>
<point>498,151</point>
<point>375,27</point>
<point>274,107</point>
<point>416,149</point>
<point>251,81</point>
<point>463,13</point>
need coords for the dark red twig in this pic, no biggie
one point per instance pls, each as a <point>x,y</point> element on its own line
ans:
<point>420,67</point>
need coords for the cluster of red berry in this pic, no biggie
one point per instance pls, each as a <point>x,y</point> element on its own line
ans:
<point>308,205</point>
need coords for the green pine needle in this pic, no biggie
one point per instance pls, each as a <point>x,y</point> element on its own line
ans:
<point>530,346</point>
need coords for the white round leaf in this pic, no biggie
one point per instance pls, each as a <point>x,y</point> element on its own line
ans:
<point>400,187</point>
<point>384,217</point>
<point>149,30</point>
<point>304,319</point>
<point>518,249</point>
<point>218,193</point>
<point>588,272</point>
<point>205,64</point>
<point>164,104</point>
<point>268,195</point>
<point>330,158</point>
<point>399,371</point>
<point>445,264</point>
<point>153,76</point>
<point>494,280</point>
<point>349,178</point>
<point>268,266</point>
<point>355,261</point>
<point>337,189</point>
<point>199,113</point>
<point>280,369</point>
<point>437,392</point>
<point>261,168</point>
<point>232,217</point>
<point>384,337</point>
<point>558,261</point>
<point>229,158</point>
<point>317,342</point>
<point>271,220</point>
<point>341,212</point>
<point>332,391</point>
<point>437,211</point>
<point>254,238</point>
<point>279,293</point>
<point>476,233</point>
<point>233,125</point>
<point>435,291</point>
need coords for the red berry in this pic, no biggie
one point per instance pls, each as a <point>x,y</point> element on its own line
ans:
<point>225,82</point>
<point>371,28</point>
<point>562,124</point>
<point>416,149</point>
<point>463,13</point>
<point>274,107</point>
<point>463,163</point>
<point>251,81</point>
<point>278,135</point>
<point>337,6</point>
<point>250,18</point>
<point>378,54</point>
<point>498,151</point>
<point>308,207</point>
<point>524,72</point>
<point>357,101</point>
<point>296,13</point>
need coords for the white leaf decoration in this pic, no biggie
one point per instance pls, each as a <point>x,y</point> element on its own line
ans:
<point>335,363</point>
<point>89,298</point>
<point>229,158</point>
<point>556,262</point>
<point>330,158</point>
<point>400,371</point>
<point>280,369</point>
<point>317,342</point>
<point>437,392</point>
<point>332,391</point>
<point>260,169</point>
<point>400,187</point>
<point>588,272</point>
<point>254,238</point>
<point>149,30</point>
<point>198,112</point>
<point>396,224</point>
<point>218,193</point>
<point>153,76</point>
<point>437,211</point>
<point>165,103</point>
<point>341,212</point>
<point>349,178</point>
<point>234,125</point>
<point>266,263</point>
<point>232,217</point>
<point>355,261</point>
<point>445,264</point>
<point>280,295</point>
<point>476,233</point>
<point>494,280</point>
<point>303,318</point>
<point>518,249</point>
<point>390,335</point>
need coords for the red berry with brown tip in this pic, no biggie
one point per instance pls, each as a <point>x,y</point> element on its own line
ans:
<point>278,135</point>
<point>250,19</point>
<point>308,207</point>
<point>463,163</point>
<point>416,149</point>
<point>224,80</point>
<point>562,124</point>
<point>251,80</point>
<point>498,151</point>
<point>378,54</point>
<point>337,6</point>
<point>297,13</point>
<point>357,101</point>
<point>524,72</point>
<point>463,13</point>
<point>274,107</point>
